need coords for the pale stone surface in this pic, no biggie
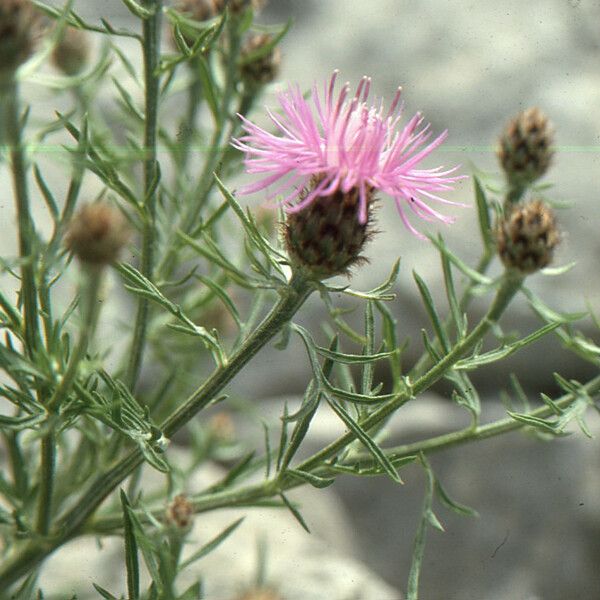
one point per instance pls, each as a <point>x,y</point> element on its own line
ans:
<point>298,565</point>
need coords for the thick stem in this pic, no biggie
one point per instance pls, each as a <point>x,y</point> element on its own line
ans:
<point>151,45</point>
<point>9,97</point>
<point>293,296</point>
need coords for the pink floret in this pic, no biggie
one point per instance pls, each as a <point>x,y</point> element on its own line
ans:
<point>344,143</point>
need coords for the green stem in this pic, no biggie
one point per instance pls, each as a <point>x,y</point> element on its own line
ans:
<point>467,295</point>
<point>47,471</point>
<point>292,298</point>
<point>253,494</point>
<point>151,46</point>
<point>215,155</point>
<point>90,312</point>
<point>90,309</point>
<point>508,288</point>
<point>9,96</point>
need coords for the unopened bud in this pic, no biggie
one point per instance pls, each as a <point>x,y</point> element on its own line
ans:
<point>72,52</point>
<point>525,151</point>
<point>97,233</point>
<point>180,512</point>
<point>527,236</point>
<point>326,237</point>
<point>259,63</point>
<point>20,28</point>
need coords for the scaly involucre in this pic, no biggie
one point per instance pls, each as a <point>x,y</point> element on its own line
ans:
<point>344,143</point>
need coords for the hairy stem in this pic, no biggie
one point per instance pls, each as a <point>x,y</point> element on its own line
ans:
<point>254,494</point>
<point>292,298</point>
<point>151,46</point>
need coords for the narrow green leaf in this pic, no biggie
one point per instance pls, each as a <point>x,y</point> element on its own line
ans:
<point>536,422</point>
<point>380,292</point>
<point>46,193</point>
<point>457,507</point>
<point>453,302</point>
<point>459,264</point>
<point>104,593</point>
<point>210,546</point>
<point>427,518</point>
<point>267,449</point>
<point>222,295</point>
<point>137,10</point>
<point>368,349</point>
<point>366,440</point>
<point>483,214</point>
<point>501,353</point>
<point>295,512</point>
<point>432,312</point>
<point>131,550</point>
<point>194,592</point>
<point>314,480</point>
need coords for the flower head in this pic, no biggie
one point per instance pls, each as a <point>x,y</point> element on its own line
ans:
<point>346,144</point>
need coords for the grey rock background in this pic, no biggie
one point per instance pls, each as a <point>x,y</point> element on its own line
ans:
<point>469,66</point>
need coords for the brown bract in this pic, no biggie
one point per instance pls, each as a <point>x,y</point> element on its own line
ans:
<point>20,28</point>
<point>326,238</point>
<point>527,237</point>
<point>97,233</point>
<point>180,512</point>
<point>525,151</point>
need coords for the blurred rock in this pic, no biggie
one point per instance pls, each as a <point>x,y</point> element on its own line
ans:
<point>298,566</point>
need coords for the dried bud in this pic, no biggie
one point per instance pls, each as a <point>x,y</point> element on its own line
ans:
<point>97,233</point>
<point>326,237</point>
<point>259,64</point>
<point>527,237</point>
<point>20,28</point>
<point>72,52</point>
<point>525,151</point>
<point>180,512</point>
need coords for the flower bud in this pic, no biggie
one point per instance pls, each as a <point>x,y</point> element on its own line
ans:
<point>525,151</point>
<point>97,233</point>
<point>20,28</point>
<point>326,237</point>
<point>257,66</point>
<point>72,52</point>
<point>527,236</point>
<point>180,512</point>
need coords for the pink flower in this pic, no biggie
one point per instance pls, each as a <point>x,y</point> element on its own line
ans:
<point>344,144</point>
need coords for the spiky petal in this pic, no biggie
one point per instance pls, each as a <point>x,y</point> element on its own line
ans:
<point>348,144</point>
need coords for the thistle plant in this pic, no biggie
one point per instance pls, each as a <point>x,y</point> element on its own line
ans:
<point>150,213</point>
